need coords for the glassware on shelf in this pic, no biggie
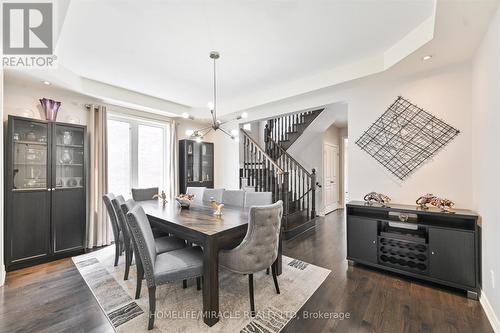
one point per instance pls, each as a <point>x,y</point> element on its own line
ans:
<point>66,157</point>
<point>16,137</point>
<point>31,136</point>
<point>67,138</point>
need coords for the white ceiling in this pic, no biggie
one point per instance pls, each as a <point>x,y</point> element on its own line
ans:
<point>160,48</point>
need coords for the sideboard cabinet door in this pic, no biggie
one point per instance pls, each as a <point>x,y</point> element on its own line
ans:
<point>452,256</point>
<point>362,239</point>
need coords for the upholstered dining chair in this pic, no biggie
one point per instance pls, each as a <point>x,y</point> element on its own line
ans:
<point>197,192</point>
<point>259,248</point>
<point>215,193</point>
<point>117,233</point>
<point>258,198</point>
<point>233,198</point>
<point>162,245</point>
<point>161,268</point>
<point>142,194</point>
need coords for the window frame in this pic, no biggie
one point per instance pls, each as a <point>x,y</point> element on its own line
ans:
<point>134,123</point>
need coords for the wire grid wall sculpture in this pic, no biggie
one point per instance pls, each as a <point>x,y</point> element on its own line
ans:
<point>404,137</point>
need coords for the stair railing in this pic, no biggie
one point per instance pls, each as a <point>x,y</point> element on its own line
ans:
<point>261,172</point>
<point>278,128</point>
<point>302,183</point>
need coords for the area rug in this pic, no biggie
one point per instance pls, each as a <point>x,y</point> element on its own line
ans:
<point>180,310</point>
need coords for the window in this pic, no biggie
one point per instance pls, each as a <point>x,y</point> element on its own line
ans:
<point>137,152</point>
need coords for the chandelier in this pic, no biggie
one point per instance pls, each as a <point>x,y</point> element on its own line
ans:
<point>216,124</point>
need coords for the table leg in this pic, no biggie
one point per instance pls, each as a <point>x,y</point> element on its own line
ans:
<point>211,281</point>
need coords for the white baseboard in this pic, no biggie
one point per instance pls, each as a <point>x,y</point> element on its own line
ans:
<point>495,323</point>
<point>2,274</point>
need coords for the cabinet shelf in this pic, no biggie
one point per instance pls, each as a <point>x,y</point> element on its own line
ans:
<point>69,146</point>
<point>24,142</point>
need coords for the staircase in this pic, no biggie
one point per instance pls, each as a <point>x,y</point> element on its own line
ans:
<point>272,169</point>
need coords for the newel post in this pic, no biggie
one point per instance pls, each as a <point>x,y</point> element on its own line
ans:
<point>313,188</point>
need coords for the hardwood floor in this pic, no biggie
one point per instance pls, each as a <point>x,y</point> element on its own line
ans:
<point>54,298</point>
<point>376,301</point>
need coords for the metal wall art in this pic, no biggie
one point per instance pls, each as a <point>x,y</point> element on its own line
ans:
<point>404,137</point>
<point>374,197</point>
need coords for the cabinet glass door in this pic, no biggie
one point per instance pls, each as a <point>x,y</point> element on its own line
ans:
<point>69,157</point>
<point>30,153</point>
<point>207,154</point>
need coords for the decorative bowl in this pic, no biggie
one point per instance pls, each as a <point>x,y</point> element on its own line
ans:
<point>184,202</point>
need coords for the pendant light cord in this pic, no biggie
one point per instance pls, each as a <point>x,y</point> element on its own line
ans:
<point>215,94</point>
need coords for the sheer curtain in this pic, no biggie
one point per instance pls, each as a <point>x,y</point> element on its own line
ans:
<point>99,230</point>
<point>172,165</point>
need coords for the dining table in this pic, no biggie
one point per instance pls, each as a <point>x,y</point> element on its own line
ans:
<point>199,225</point>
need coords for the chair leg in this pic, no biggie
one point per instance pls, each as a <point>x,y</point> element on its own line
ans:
<point>152,307</point>
<point>117,252</point>
<point>250,292</point>
<point>267,271</point>
<point>140,274</point>
<point>198,283</point>
<point>127,263</point>
<point>184,284</point>
<point>275,278</point>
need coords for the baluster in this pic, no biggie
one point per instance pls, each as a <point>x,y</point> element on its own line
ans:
<point>295,182</point>
<point>307,202</point>
<point>313,193</point>
<point>303,194</point>
<point>259,174</point>
<point>244,159</point>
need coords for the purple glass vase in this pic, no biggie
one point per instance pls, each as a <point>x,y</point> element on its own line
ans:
<point>50,107</point>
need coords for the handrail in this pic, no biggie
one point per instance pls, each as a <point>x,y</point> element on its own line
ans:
<point>283,151</point>
<point>279,170</point>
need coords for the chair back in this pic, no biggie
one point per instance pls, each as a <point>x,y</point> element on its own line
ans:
<point>107,198</point>
<point>233,198</point>
<point>258,198</point>
<point>143,194</point>
<point>197,191</point>
<point>215,193</point>
<point>143,236</point>
<point>259,248</point>
<point>117,203</point>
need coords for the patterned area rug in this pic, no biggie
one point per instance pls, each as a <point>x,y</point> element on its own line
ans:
<point>180,310</point>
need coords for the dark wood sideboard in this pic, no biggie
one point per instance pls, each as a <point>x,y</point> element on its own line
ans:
<point>430,245</point>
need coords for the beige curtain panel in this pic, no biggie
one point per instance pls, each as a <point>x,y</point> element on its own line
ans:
<point>99,230</point>
<point>172,162</point>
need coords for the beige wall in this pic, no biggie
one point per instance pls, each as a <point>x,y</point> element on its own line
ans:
<point>486,167</point>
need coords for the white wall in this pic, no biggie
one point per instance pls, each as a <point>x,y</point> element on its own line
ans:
<point>486,170</point>
<point>2,265</point>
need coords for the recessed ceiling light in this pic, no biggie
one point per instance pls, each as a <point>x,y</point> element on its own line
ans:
<point>427,57</point>
<point>185,115</point>
<point>234,132</point>
<point>47,83</point>
<point>189,132</point>
<point>244,115</point>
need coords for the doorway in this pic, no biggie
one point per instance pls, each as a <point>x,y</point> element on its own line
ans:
<point>331,177</point>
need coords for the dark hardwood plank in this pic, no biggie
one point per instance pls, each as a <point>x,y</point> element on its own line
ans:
<point>51,297</point>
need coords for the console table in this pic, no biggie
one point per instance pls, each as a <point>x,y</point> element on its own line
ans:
<point>427,244</point>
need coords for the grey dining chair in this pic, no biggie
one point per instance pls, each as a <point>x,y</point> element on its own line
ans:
<point>259,248</point>
<point>162,245</point>
<point>215,193</point>
<point>197,192</point>
<point>142,194</point>
<point>161,268</point>
<point>233,198</point>
<point>258,198</point>
<point>117,233</point>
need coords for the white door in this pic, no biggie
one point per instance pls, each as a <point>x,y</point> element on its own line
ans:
<point>331,174</point>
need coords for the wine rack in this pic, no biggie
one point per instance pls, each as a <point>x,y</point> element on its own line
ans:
<point>404,250</point>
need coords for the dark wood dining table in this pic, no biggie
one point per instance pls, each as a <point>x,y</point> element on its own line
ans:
<point>198,224</point>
